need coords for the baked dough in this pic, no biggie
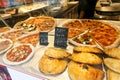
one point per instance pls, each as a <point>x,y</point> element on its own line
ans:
<point>111,75</point>
<point>113,52</point>
<point>56,52</point>
<point>51,66</point>
<point>113,64</point>
<point>87,49</point>
<point>78,71</point>
<point>88,58</point>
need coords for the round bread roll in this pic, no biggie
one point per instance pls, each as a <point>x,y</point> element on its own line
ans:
<point>56,52</point>
<point>86,49</point>
<point>78,71</point>
<point>85,57</point>
<point>111,75</point>
<point>51,66</point>
<point>113,64</point>
<point>113,52</point>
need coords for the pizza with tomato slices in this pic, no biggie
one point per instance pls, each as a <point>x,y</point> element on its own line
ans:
<point>18,54</point>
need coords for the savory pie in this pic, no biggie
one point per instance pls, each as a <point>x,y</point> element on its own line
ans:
<point>79,49</point>
<point>52,66</point>
<point>111,75</point>
<point>78,71</point>
<point>113,64</point>
<point>56,52</point>
<point>113,52</point>
<point>85,57</point>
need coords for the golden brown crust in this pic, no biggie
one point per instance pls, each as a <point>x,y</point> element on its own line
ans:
<point>56,52</point>
<point>84,72</point>
<point>113,52</point>
<point>87,49</point>
<point>113,64</point>
<point>51,66</point>
<point>88,58</point>
<point>111,75</point>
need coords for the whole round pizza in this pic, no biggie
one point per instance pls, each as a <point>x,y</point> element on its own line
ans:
<point>105,34</point>
<point>18,54</point>
<point>40,23</point>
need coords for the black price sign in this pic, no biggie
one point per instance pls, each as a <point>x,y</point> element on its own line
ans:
<point>61,35</point>
<point>43,38</point>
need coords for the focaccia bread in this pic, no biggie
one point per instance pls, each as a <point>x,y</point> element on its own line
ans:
<point>78,71</point>
<point>86,49</point>
<point>113,52</point>
<point>51,66</point>
<point>88,58</point>
<point>56,52</point>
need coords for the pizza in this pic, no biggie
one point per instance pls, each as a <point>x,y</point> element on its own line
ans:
<point>74,28</point>
<point>4,29</point>
<point>12,34</point>
<point>19,54</point>
<point>90,24</point>
<point>72,32</point>
<point>73,24</point>
<point>40,23</point>
<point>83,40</point>
<point>32,38</point>
<point>102,33</point>
<point>5,44</point>
<point>106,35</point>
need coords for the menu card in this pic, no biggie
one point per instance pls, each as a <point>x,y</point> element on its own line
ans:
<point>43,38</point>
<point>61,35</point>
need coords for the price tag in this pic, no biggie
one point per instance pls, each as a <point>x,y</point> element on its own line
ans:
<point>61,35</point>
<point>43,38</point>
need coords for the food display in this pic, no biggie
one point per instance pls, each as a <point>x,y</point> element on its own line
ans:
<point>40,23</point>
<point>81,60</point>
<point>5,44</point>
<point>18,54</point>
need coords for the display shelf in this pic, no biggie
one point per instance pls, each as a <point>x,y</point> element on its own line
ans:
<point>32,65</point>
